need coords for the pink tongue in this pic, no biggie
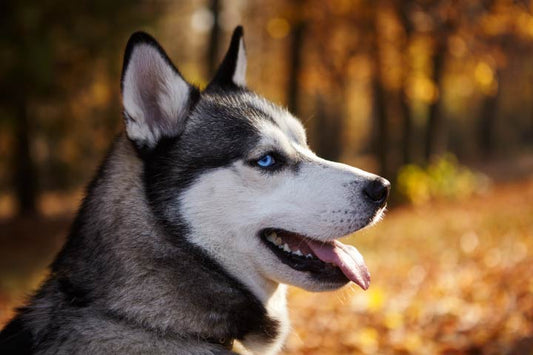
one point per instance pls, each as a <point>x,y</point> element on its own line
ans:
<point>346,257</point>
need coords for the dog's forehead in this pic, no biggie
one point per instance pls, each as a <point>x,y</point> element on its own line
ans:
<point>254,111</point>
<point>279,117</point>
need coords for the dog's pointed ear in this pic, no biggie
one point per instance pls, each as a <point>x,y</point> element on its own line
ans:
<point>155,97</point>
<point>232,71</point>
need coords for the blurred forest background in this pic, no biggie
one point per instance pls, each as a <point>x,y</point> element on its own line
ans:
<point>437,96</point>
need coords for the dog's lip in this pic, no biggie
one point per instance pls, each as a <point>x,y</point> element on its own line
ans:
<point>345,257</point>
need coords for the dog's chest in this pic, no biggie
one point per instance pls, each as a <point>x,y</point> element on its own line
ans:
<point>277,310</point>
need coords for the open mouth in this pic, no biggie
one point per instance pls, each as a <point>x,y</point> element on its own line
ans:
<point>330,261</point>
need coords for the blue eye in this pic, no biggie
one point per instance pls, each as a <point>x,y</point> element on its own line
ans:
<point>266,161</point>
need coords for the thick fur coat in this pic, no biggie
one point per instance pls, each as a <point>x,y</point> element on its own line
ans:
<point>205,207</point>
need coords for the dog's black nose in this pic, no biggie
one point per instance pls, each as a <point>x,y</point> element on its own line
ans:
<point>377,190</point>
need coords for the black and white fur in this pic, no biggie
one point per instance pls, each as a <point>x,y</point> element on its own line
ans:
<point>165,255</point>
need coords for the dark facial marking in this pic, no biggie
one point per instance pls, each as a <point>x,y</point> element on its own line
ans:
<point>216,134</point>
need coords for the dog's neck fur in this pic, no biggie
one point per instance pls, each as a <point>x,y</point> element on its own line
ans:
<point>150,296</point>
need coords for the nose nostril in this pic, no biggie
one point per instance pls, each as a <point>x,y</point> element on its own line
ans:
<point>377,190</point>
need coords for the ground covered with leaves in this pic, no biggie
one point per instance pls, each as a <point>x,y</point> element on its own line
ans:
<point>448,277</point>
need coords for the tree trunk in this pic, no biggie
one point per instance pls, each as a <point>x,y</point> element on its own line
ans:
<point>321,145</point>
<point>435,128</point>
<point>407,128</point>
<point>407,119</point>
<point>25,180</point>
<point>329,123</point>
<point>380,131</point>
<point>295,66</point>
<point>487,122</point>
<point>214,39</point>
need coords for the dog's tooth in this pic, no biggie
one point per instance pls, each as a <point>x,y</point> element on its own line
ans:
<point>298,252</point>
<point>309,256</point>
<point>286,248</point>
<point>274,239</point>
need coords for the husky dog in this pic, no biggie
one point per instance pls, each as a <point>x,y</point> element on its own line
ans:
<point>208,205</point>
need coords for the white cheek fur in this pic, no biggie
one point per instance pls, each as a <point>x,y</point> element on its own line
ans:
<point>227,207</point>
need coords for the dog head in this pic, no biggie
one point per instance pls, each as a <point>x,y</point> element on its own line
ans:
<point>232,173</point>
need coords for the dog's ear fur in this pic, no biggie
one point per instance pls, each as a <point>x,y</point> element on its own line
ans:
<point>232,71</point>
<point>155,97</point>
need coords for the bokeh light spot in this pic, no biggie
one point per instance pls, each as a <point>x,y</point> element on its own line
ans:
<point>278,27</point>
<point>202,20</point>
